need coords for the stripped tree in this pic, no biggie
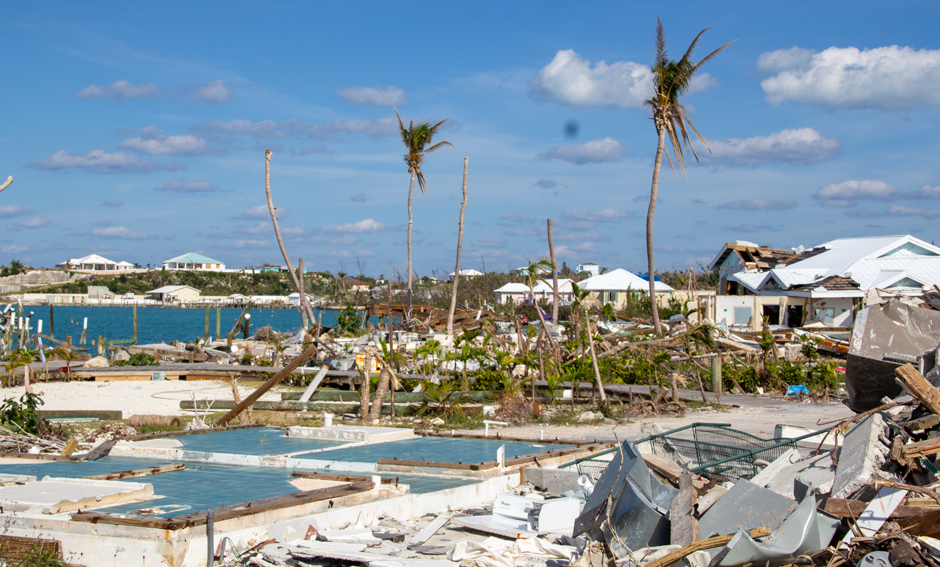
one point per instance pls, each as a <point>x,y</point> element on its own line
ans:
<point>670,80</point>
<point>453,293</point>
<point>417,140</point>
<point>305,311</point>
<point>6,183</point>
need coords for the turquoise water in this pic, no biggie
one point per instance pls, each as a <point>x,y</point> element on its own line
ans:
<point>160,324</point>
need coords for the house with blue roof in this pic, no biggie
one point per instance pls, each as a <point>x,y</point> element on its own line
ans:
<point>194,262</point>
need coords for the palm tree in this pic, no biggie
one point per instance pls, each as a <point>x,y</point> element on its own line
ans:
<point>417,140</point>
<point>670,80</point>
<point>533,274</point>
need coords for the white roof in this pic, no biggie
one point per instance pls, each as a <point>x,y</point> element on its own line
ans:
<point>92,259</point>
<point>513,288</point>
<point>125,264</point>
<point>172,289</point>
<point>870,261</point>
<point>545,286</point>
<point>620,280</point>
<point>467,273</point>
<point>751,280</point>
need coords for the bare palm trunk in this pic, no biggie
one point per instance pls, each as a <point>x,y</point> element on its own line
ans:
<point>453,293</point>
<point>411,189</point>
<point>381,390</point>
<point>6,183</point>
<point>308,312</point>
<point>654,190</point>
<point>538,311</point>
<point>597,371</point>
<point>551,253</point>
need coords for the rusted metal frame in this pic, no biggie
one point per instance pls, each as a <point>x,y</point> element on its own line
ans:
<point>498,437</point>
<point>486,465</point>
<point>39,457</point>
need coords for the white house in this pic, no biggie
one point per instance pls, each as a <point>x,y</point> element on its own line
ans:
<point>94,263</point>
<point>512,293</point>
<point>838,277</point>
<point>193,261</point>
<point>543,289</point>
<point>174,293</point>
<point>465,274</point>
<point>589,268</point>
<point>616,286</point>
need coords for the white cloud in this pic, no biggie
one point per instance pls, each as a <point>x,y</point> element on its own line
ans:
<point>926,192</point>
<point>359,227</point>
<point>885,78</point>
<point>374,96</point>
<point>14,249</point>
<point>262,212</point>
<point>571,81</point>
<point>35,222</point>
<point>121,232</point>
<point>215,92</point>
<point>293,128</point>
<point>750,229</point>
<point>120,89</point>
<point>844,194</point>
<point>150,141</point>
<point>259,228</point>
<point>759,205</point>
<point>180,185</point>
<point>9,211</point>
<point>595,151</point>
<point>801,146</point>
<point>100,161</point>
<point>904,211</point>
<point>585,219</point>
<point>248,243</point>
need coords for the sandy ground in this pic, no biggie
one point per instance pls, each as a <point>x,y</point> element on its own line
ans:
<point>144,397</point>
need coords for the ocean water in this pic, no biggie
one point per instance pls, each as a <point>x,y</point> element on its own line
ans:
<point>160,324</point>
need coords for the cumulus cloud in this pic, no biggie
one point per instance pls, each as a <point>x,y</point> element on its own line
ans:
<point>113,204</point>
<point>100,161</point>
<point>846,193</point>
<point>180,185</point>
<point>585,219</point>
<point>216,92</point>
<point>150,141</point>
<point>759,205</point>
<point>35,222</point>
<point>261,212</point>
<point>9,211</point>
<point>884,78</point>
<point>749,229</point>
<point>293,128</point>
<point>570,80</point>
<point>801,146</point>
<point>120,89</point>
<point>248,243</point>
<point>363,226</point>
<point>595,151</point>
<point>121,232</point>
<point>925,192</point>
<point>374,96</point>
<point>359,198</point>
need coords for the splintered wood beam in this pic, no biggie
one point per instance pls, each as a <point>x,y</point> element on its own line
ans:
<point>919,387</point>
<point>273,381</point>
<point>701,544</point>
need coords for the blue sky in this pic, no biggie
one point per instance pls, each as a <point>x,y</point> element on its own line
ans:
<point>137,130</point>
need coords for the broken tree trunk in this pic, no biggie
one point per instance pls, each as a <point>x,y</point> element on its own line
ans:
<point>551,255</point>
<point>453,293</point>
<point>597,372</point>
<point>381,389</point>
<point>366,385</point>
<point>6,183</point>
<point>272,382</point>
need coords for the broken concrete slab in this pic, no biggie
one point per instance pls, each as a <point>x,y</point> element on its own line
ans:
<point>817,472</point>
<point>767,474</point>
<point>57,495</point>
<point>553,481</point>
<point>861,456</point>
<point>353,434</point>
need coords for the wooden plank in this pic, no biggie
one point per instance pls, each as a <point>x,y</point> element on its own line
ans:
<point>337,477</point>
<point>844,508</point>
<point>134,473</point>
<point>919,387</point>
<point>39,457</point>
<point>69,448</point>
<point>671,471</point>
<point>701,544</point>
<point>683,527</point>
<point>101,450</point>
<point>161,434</point>
<point>921,448</point>
<point>18,548</point>
<point>273,381</point>
<point>110,415</point>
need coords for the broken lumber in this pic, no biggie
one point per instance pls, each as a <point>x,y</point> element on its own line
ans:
<point>683,525</point>
<point>702,544</point>
<point>919,387</point>
<point>273,381</point>
<point>844,508</point>
<point>672,471</point>
<point>921,448</point>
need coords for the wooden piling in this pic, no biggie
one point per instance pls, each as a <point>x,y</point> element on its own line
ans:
<point>218,323</point>
<point>206,338</point>
<point>51,323</point>
<point>135,323</point>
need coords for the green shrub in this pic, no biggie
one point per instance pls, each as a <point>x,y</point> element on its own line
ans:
<point>139,359</point>
<point>23,413</point>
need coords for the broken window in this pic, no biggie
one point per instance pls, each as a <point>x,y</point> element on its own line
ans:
<point>742,315</point>
<point>771,314</point>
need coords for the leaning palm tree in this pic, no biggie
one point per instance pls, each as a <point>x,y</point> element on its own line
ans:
<point>670,80</point>
<point>417,140</point>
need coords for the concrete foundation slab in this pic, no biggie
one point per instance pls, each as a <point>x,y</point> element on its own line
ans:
<point>861,456</point>
<point>352,434</point>
<point>56,495</point>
